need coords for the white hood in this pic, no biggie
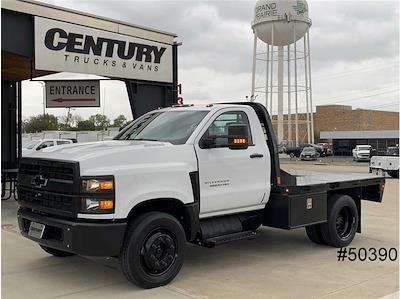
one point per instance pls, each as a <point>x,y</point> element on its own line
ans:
<point>93,150</point>
<point>116,156</point>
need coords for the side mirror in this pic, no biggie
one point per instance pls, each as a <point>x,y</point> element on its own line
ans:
<point>238,136</point>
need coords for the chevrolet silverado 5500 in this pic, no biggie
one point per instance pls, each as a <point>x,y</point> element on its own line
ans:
<point>205,175</point>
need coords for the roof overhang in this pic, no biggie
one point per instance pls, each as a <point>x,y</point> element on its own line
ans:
<point>384,134</point>
<point>18,61</point>
<point>36,8</point>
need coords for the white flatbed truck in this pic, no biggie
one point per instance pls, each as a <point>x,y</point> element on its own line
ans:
<point>201,174</point>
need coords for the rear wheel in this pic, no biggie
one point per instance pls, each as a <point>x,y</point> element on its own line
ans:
<point>314,234</point>
<point>56,252</point>
<point>153,250</point>
<point>342,223</point>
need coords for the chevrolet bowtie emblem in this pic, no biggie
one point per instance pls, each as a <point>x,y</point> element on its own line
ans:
<point>39,181</point>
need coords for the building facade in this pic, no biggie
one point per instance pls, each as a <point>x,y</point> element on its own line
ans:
<point>361,126</point>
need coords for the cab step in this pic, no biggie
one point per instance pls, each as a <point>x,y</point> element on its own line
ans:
<point>214,241</point>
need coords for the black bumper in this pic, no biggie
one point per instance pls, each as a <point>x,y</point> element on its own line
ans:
<point>80,237</point>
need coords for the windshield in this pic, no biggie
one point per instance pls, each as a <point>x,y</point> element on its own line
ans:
<point>167,126</point>
<point>363,148</point>
<point>308,149</point>
<point>31,144</point>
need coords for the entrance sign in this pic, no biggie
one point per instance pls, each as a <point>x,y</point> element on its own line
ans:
<point>72,94</point>
<point>66,47</point>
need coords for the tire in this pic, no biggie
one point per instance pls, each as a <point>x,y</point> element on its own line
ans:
<point>341,227</point>
<point>291,155</point>
<point>314,234</point>
<point>56,252</point>
<point>153,250</point>
<point>393,173</point>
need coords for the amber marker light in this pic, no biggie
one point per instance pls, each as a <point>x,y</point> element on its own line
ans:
<point>106,185</point>
<point>239,141</point>
<point>106,204</point>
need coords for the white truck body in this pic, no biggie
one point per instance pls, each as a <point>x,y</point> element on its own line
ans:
<point>388,163</point>
<point>385,163</point>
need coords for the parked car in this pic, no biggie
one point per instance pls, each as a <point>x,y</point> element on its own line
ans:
<point>361,153</point>
<point>296,151</point>
<point>327,149</point>
<point>281,148</point>
<point>36,145</point>
<point>309,153</point>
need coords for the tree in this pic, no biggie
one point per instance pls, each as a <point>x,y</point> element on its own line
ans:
<point>86,125</point>
<point>100,121</point>
<point>40,123</point>
<point>120,121</point>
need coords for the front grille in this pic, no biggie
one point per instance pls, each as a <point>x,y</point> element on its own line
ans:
<point>49,169</point>
<point>47,200</point>
<point>58,195</point>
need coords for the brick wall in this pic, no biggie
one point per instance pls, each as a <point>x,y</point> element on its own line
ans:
<point>342,118</point>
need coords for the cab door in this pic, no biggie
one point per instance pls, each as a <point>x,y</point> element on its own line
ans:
<point>230,179</point>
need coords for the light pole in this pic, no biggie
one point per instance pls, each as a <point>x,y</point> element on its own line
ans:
<point>44,97</point>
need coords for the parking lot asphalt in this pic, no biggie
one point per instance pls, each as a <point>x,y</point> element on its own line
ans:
<point>277,264</point>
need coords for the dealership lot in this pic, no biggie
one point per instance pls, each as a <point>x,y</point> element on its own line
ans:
<point>276,264</point>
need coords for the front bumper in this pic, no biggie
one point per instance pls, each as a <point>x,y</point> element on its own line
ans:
<point>363,158</point>
<point>307,158</point>
<point>80,237</point>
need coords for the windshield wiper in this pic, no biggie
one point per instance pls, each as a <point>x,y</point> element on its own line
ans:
<point>144,139</point>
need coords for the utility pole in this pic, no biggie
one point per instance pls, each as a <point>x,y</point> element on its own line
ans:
<point>43,96</point>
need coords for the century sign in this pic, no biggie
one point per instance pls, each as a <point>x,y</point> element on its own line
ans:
<point>65,47</point>
<point>72,94</point>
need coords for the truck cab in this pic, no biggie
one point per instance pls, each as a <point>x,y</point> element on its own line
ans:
<point>204,174</point>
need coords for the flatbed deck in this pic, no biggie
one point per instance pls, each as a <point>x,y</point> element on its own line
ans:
<point>304,177</point>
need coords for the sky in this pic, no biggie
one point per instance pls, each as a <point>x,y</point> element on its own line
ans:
<point>354,52</point>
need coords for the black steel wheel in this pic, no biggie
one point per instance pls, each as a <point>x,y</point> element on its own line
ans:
<point>158,252</point>
<point>341,227</point>
<point>153,250</point>
<point>56,252</point>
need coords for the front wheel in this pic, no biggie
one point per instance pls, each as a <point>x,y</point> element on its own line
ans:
<point>341,227</point>
<point>153,250</point>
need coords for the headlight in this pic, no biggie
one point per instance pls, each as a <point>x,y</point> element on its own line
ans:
<point>97,195</point>
<point>97,185</point>
<point>97,205</point>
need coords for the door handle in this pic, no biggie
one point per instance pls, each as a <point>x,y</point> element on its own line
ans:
<point>255,155</point>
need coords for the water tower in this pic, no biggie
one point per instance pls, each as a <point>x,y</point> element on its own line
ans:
<point>282,58</point>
